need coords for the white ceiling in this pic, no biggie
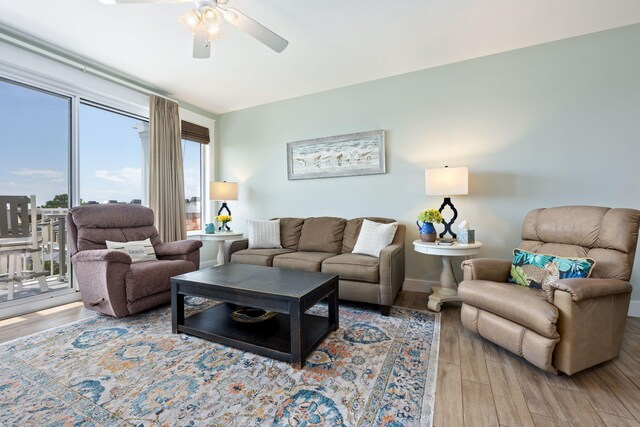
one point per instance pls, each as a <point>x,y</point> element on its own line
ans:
<point>332,43</point>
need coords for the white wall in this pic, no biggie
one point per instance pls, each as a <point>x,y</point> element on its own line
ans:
<point>555,124</point>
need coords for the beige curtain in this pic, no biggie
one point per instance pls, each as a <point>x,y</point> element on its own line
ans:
<point>166,175</point>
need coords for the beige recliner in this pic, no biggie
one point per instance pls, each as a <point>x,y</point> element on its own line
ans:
<point>572,324</point>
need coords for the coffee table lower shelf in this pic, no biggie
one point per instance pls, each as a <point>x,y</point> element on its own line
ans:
<point>271,338</point>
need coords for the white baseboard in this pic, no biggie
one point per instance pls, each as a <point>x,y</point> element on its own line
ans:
<point>207,264</point>
<point>418,285</point>
<point>634,309</point>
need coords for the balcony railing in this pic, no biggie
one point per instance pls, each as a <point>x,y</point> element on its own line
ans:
<point>52,244</point>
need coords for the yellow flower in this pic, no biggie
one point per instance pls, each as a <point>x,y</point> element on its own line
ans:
<point>223,218</point>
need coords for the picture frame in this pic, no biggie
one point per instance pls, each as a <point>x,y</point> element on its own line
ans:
<point>361,153</point>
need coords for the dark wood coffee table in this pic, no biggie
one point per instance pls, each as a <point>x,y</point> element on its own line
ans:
<point>290,336</point>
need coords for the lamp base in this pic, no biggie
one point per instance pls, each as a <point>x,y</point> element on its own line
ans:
<point>448,224</point>
<point>224,206</point>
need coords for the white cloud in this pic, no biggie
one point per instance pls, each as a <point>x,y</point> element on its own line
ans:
<point>48,174</point>
<point>126,175</point>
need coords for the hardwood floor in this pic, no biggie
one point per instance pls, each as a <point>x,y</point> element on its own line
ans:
<point>479,383</point>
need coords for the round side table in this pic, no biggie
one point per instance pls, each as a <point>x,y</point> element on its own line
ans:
<point>220,237</point>
<point>447,291</point>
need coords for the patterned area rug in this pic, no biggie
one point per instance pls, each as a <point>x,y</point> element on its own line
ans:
<point>373,371</point>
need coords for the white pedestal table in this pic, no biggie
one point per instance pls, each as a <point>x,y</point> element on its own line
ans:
<point>447,291</point>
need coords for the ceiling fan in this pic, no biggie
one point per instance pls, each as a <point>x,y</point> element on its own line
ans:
<point>205,20</point>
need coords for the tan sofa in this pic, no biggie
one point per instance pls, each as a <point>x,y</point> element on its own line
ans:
<point>325,244</point>
<point>572,324</point>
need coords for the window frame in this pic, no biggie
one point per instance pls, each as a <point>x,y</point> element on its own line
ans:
<point>36,81</point>
<point>204,196</point>
<point>145,165</point>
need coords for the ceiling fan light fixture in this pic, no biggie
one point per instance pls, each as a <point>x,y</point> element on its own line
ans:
<point>190,20</point>
<point>215,33</point>
<point>210,16</point>
<point>229,15</point>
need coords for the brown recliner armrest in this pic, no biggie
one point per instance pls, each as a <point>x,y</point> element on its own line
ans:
<point>493,270</point>
<point>581,289</point>
<point>101,277</point>
<point>181,247</point>
<point>102,255</point>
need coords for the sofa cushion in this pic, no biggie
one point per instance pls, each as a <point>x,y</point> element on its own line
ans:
<point>257,256</point>
<point>353,267</point>
<point>139,251</point>
<point>323,234</point>
<point>307,261</point>
<point>152,277</point>
<point>264,234</point>
<point>352,231</point>
<point>524,306</point>
<point>290,229</point>
<point>534,270</point>
<point>374,237</point>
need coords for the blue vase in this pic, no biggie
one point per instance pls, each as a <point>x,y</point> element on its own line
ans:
<point>210,229</point>
<point>427,231</point>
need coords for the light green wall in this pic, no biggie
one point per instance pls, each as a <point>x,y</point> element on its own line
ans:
<point>555,124</point>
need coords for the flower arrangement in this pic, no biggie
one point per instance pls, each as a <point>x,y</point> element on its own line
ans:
<point>430,215</point>
<point>223,218</point>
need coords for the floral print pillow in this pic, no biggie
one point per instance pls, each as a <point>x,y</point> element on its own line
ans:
<point>534,270</point>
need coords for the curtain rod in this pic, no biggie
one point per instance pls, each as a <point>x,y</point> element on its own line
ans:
<point>77,65</point>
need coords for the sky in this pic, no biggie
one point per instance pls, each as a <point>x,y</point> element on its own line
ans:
<point>34,149</point>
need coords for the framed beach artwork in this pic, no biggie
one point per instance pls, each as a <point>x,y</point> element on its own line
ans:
<point>343,155</point>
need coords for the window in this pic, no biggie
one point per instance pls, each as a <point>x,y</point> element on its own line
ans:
<point>192,160</point>
<point>194,138</point>
<point>114,152</point>
<point>35,143</point>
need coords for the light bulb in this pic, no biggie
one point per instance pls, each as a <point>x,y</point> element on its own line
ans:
<point>190,20</point>
<point>210,16</point>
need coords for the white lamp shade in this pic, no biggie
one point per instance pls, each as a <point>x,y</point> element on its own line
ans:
<point>446,181</point>
<point>222,191</point>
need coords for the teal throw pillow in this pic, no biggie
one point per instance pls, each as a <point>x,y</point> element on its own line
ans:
<point>533,270</point>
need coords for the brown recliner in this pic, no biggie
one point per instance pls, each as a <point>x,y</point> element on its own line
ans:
<point>108,281</point>
<point>572,324</point>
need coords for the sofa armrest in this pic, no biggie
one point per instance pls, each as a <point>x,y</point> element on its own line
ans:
<point>234,246</point>
<point>181,247</point>
<point>493,270</point>
<point>581,289</point>
<point>102,255</point>
<point>391,272</point>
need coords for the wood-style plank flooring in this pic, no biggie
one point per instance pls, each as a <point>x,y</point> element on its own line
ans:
<point>479,383</point>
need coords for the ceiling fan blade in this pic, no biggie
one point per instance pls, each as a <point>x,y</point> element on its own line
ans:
<point>143,1</point>
<point>255,29</point>
<point>201,43</point>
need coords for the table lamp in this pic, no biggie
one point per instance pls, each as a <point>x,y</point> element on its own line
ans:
<point>221,191</point>
<point>447,182</point>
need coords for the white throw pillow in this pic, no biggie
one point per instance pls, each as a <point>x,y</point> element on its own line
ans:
<point>138,250</point>
<point>264,234</point>
<point>374,237</point>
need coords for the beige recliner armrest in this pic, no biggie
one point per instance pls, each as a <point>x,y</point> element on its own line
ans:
<point>493,270</point>
<point>587,288</point>
<point>592,315</point>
